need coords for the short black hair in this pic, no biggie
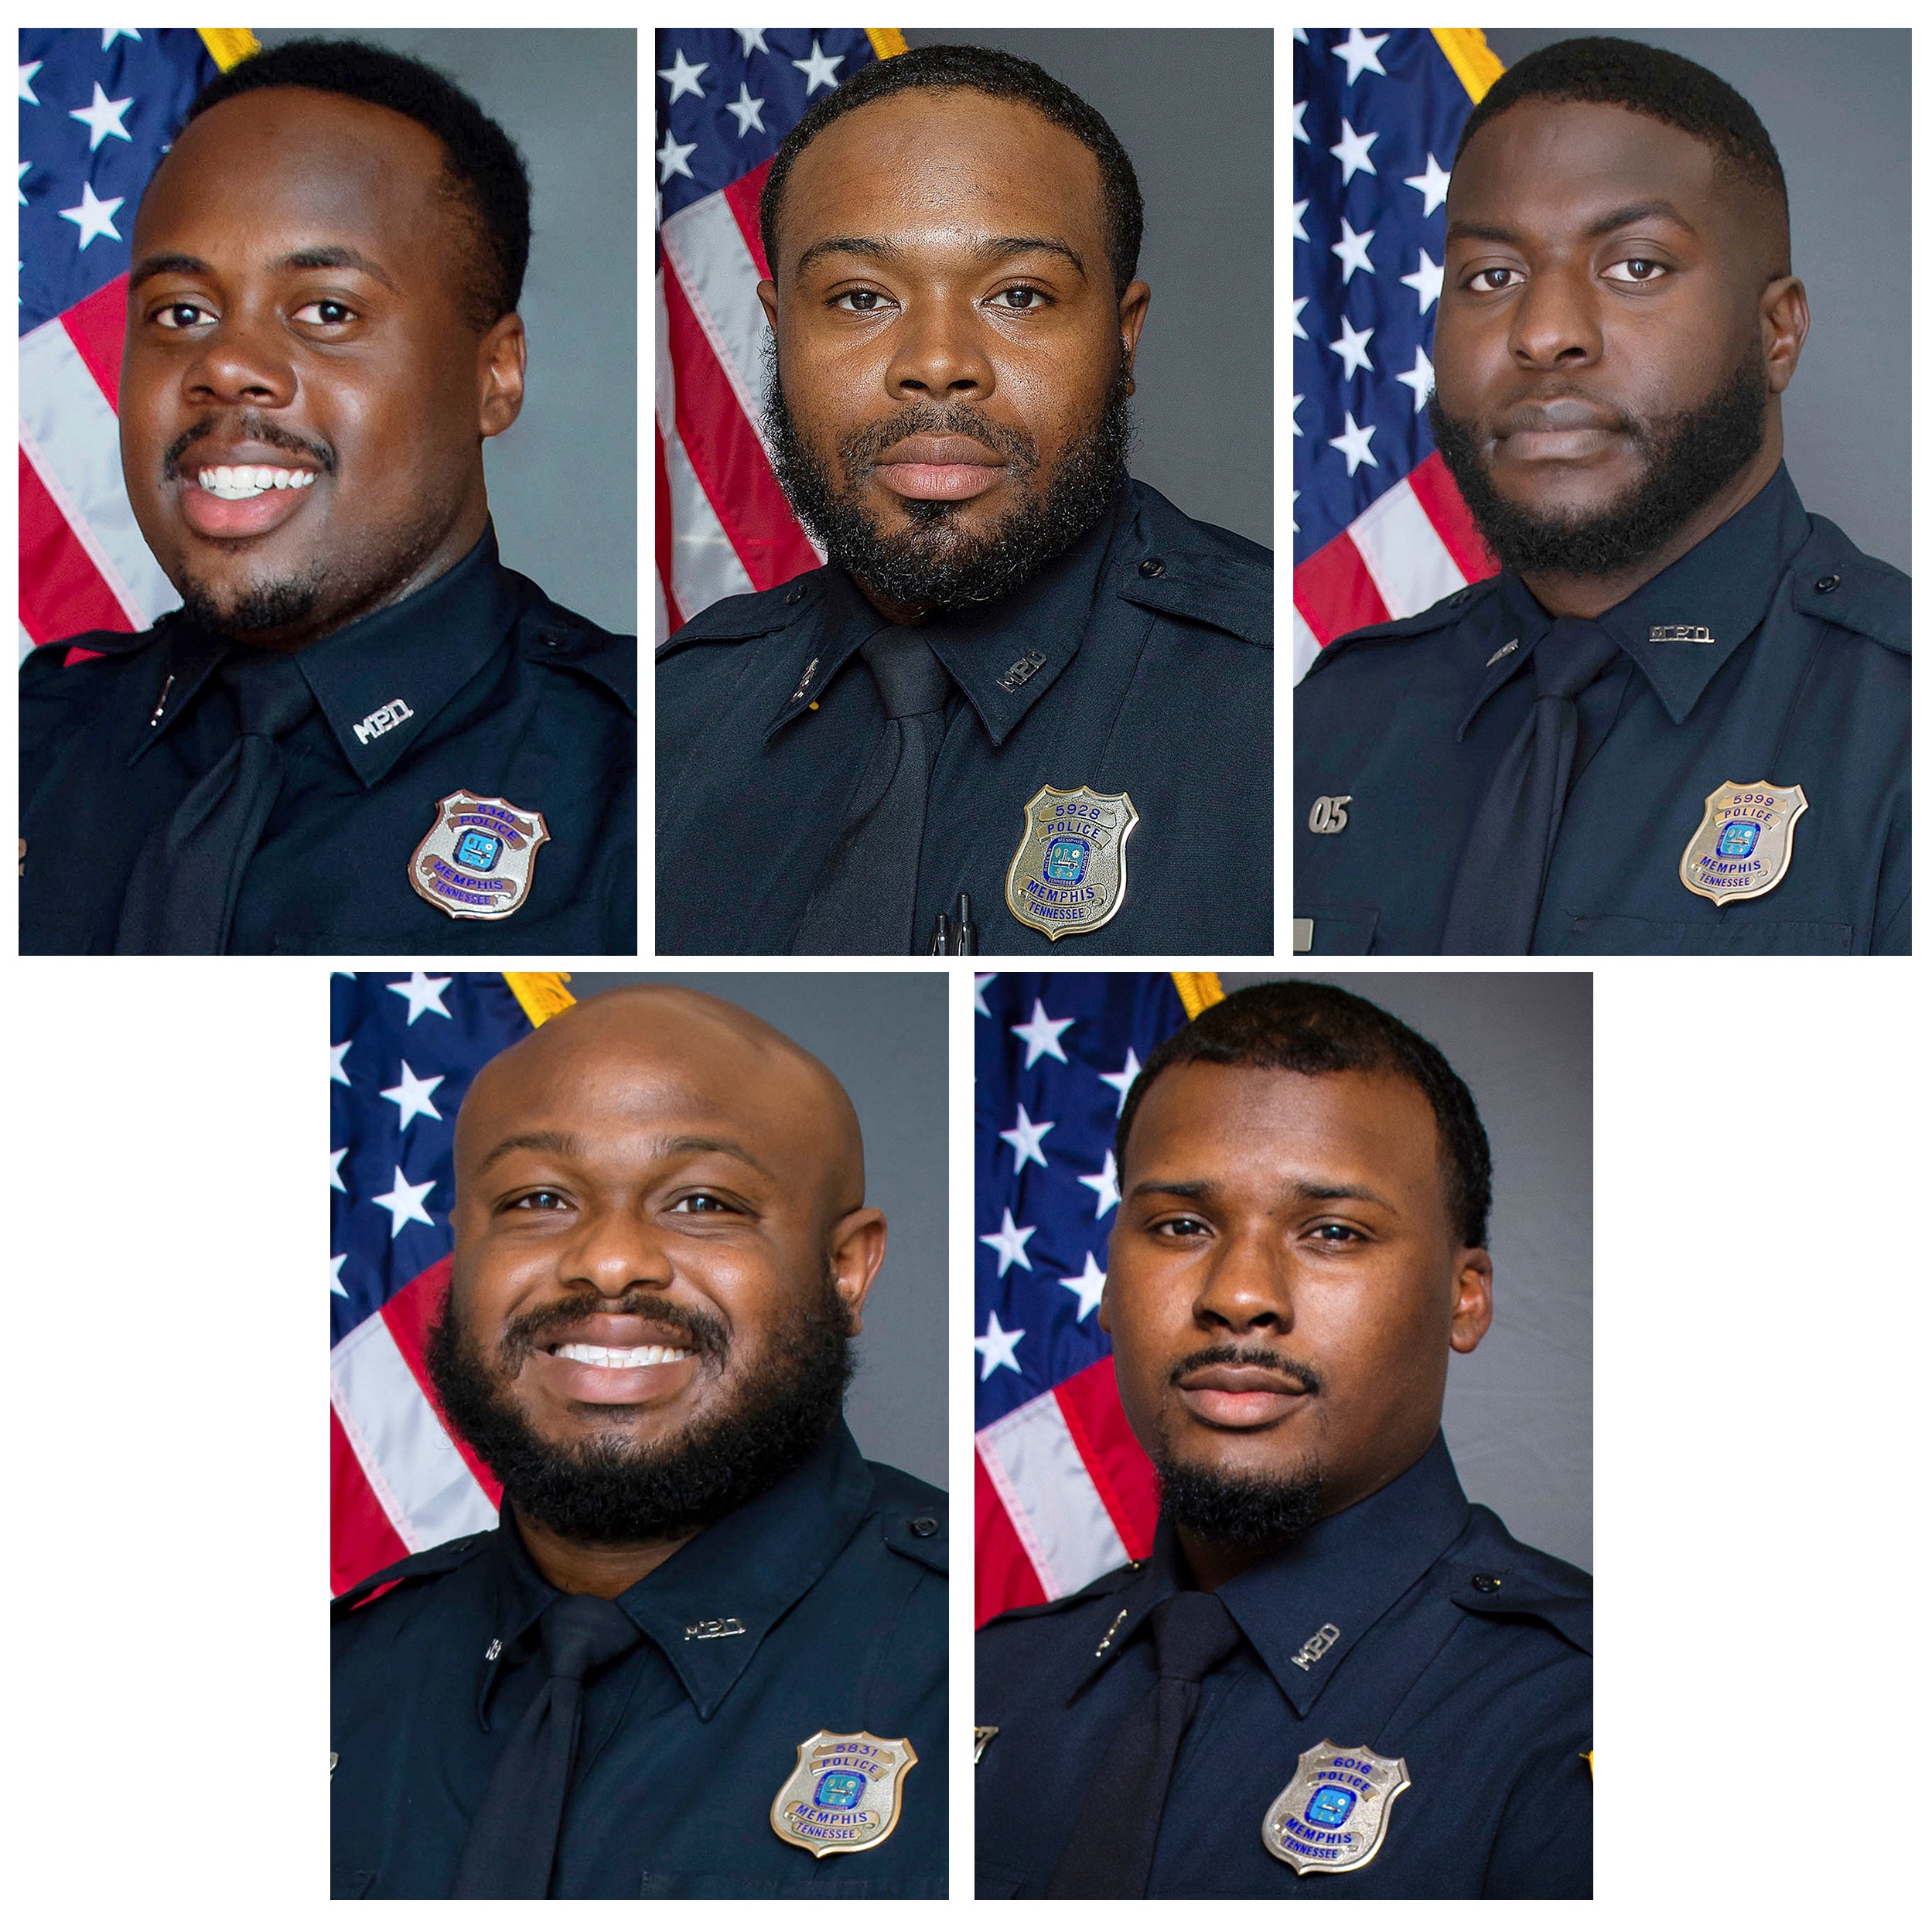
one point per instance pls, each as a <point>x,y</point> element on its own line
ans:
<point>1647,80</point>
<point>1002,76</point>
<point>1303,1025</point>
<point>485,173</point>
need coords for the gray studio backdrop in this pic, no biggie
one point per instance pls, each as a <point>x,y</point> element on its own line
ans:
<point>1838,105</point>
<point>563,481</point>
<point>1518,1413</point>
<point>884,1035</point>
<point>1194,108</point>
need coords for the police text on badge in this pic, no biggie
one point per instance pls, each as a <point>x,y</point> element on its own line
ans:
<point>845,1793</point>
<point>1069,874</point>
<point>479,857</point>
<point>1334,1814</point>
<point>1742,847</point>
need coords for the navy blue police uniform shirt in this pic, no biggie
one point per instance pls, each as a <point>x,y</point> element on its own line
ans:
<point>1138,662</point>
<point>819,1606</point>
<point>477,682</point>
<point>1412,1626</point>
<point>1775,652</point>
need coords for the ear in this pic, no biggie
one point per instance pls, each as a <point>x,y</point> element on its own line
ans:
<point>1133,314</point>
<point>768,300</point>
<point>1785,318</point>
<point>1470,1320</point>
<point>856,1246</point>
<point>502,357</point>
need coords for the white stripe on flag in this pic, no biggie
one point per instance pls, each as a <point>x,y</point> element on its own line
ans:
<point>424,1485</point>
<point>71,437</point>
<point>714,268</point>
<point>1062,1524</point>
<point>1307,648</point>
<point>1409,563</point>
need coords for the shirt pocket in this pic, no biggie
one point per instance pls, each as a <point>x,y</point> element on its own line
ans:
<point>1617,933</point>
<point>849,1884</point>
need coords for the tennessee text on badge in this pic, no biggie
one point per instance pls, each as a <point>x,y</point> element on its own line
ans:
<point>1069,873</point>
<point>1334,1814</point>
<point>844,1794</point>
<point>479,857</point>
<point>1743,846</point>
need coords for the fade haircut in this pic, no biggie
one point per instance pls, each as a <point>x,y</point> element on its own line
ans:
<point>1302,1026</point>
<point>1001,77</point>
<point>1647,80</point>
<point>484,178</point>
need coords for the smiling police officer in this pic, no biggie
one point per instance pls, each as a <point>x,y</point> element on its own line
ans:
<point>705,1653</point>
<point>1027,696</point>
<point>361,733</point>
<point>1334,1677</point>
<point>1678,720</point>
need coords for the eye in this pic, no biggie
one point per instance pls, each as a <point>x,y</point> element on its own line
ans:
<point>539,1200</point>
<point>1335,1232</point>
<point>863,301</point>
<point>1638,268</point>
<point>1021,300</point>
<point>326,313</point>
<point>1491,280</point>
<point>705,1204</point>
<point>1183,1226</point>
<point>182,314</point>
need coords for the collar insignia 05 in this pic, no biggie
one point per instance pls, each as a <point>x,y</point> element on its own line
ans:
<point>1742,847</point>
<point>479,857</point>
<point>1069,874</point>
<point>845,1793</point>
<point>1334,1814</point>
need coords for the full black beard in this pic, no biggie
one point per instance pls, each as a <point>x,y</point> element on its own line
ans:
<point>929,564</point>
<point>1688,458</point>
<point>606,1490</point>
<point>262,606</point>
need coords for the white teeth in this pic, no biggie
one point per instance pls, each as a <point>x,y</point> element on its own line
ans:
<point>238,483</point>
<point>619,1357</point>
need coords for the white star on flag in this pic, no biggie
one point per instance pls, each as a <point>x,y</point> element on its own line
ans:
<point>1431,184</point>
<point>1042,1034</point>
<point>1352,152</point>
<point>754,40</point>
<point>109,35</point>
<point>1427,281</point>
<point>1361,53</point>
<point>1352,348</point>
<point>745,111</point>
<point>1106,1185</point>
<point>1009,1243</point>
<point>1301,133</point>
<point>1295,213</point>
<point>335,1275</point>
<point>1123,1079</point>
<point>412,1097</point>
<point>337,1075</point>
<point>93,217</point>
<point>1420,380</point>
<point>335,1159</point>
<point>980,981</point>
<point>1353,249</point>
<point>1353,441</point>
<point>1295,317</point>
<point>996,1347</point>
<point>102,119</point>
<point>1088,1285</point>
<point>820,70</point>
<point>424,994</point>
<point>403,1203</point>
<point>683,77</point>
<point>1024,1138</point>
<point>1294,422</point>
<point>675,159</point>
<point>27,70</point>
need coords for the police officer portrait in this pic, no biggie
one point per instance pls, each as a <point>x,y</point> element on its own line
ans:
<point>1656,454</point>
<point>295,691</point>
<point>640,1553</point>
<point>1346,1285</point>
<point>980,660</point>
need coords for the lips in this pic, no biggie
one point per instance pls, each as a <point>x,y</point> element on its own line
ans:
<point>939,468</point>
<point>614,1361</point>
<point>1241,1395</point>
<point>1564,428</point>
<point>241,490</point>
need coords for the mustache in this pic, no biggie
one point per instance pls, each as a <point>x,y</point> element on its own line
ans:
<point>250,425</point>
<point>531,1332</point>
<point>1227,1355</point>
<point>864,447</point>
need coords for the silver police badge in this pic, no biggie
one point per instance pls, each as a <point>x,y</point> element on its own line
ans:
<point>1743,847</point>
<point>480,856</point>
<point>845,1795</point>
<point>1334,1814</point>
<point>1069,873</point>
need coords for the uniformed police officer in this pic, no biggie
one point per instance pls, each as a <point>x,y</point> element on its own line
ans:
<point>1028,697</point>
<point>361,733</point>
<point>1334,1677</point>
<point>1678,720</point>
<point>704,1653</point>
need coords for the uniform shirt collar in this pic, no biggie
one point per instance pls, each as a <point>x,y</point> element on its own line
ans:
<point>1305,1609</point>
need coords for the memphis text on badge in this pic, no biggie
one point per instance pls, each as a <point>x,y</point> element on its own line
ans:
<point>845,1795</point>
<point>479,857</point>
<point>1743,846</point>
<point>1334,1814</point>
<point>1069,873</point>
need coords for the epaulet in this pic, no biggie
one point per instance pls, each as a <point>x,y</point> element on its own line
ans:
<point>43,664</point>
<point>412,1568</point>
<point>1196,570</point>
<point>1496,1575</point>
<point>1835,581</point>
<point>1439,615</point>
<point>758,614</point>
<point>548,634</point>
<point>912,1517</point>
<point>1110,1584</point>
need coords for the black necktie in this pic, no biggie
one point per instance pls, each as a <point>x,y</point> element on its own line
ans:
<point>181,897</point>
<point>1111,1850</point>
<point>864,899</point>
<point>1499,881</point>
<point>513,1837</point>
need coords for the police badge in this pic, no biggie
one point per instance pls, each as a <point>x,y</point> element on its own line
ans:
<point>1743,846</point>
<point>479,857</point>
<point>1069,873</point>
<point>844,1794</point>
<point>1334,1814</point>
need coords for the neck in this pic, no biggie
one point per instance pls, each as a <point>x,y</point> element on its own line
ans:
<point>905,614</point>
<point>599,1569</point>
<point>1211,1563</point>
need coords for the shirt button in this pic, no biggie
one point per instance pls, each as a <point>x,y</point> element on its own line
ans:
<point>1825,585</point>
<point>1489,1585</point>
<point>1153,567</point>
<point>796,595</point>
<point>924,1525</point>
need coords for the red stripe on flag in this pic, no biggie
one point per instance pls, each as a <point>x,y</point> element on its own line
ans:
<point>728,459</point>
<point>61,592</point>
<point>361,1540</point>
<point>1003,1576</point>
<point>674,617</point>
<point>97,325</point>
<point>1442,504</point>
<point>409,1314</point>
<point>1115,1461</point>
<point>1334,592</point>
<point>742,196</point>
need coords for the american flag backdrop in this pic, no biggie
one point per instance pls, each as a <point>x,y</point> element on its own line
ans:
<point>98,107</point>
<point>403,1049</point>
<point>1381,531</point>
<point>1063,1491</point>
<point>726,98</point>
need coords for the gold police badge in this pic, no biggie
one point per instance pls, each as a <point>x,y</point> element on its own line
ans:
<point>1069,873</point>
<point>844,1794</point>
<point>1334,1814</point>
<point>1743,847</point>
<point>479,856</point>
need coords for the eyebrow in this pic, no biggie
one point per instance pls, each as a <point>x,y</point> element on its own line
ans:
<point>1651,210</point>
<point>570,1146</point>
<point>334,256</point>
<point>1300,1190</point>
<point>995,248</point>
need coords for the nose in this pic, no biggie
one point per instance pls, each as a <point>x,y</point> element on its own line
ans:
<point>614,1251</point>
<point>1247,1288</point>
<point>241,362</point>
<point>1556,325</point>
<point>939,354</point>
